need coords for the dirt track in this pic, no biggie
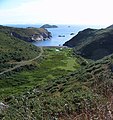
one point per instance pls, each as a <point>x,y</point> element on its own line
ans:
<point>23,63</point>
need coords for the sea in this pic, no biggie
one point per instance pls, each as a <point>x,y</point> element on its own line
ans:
<point>59,35</point>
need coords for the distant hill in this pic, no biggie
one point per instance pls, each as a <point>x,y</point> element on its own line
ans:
<point>29,34</point>
<point>93,43</point>
<point>49,26</point>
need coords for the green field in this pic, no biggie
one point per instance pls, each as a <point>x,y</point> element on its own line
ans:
<point>53,64</point>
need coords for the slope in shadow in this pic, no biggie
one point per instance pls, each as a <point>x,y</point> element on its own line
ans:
<point>98,49</point>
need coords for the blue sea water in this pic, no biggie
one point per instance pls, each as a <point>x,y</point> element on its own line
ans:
<point>62,30</point>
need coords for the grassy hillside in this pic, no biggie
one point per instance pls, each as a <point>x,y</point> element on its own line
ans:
<point>14,50</point>
<point>82,94</point>
<point>93,44</point>
<point>58,85</point>
<point>55,63</point>
<point>51,65</point>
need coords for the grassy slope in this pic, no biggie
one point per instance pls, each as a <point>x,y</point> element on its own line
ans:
<point>14,50</point>
<point>53,65</point>
<point>83,93</point>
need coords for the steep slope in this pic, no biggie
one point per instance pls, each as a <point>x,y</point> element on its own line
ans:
<point>14,50</point>
<point>29,34</point>
<point>93,44</point>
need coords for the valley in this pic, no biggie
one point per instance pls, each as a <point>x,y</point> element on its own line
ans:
<point>56,83</point>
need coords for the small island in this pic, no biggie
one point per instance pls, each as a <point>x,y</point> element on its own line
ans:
<point>48,26</point>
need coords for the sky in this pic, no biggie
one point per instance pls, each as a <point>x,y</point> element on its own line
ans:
<point>84,12</point>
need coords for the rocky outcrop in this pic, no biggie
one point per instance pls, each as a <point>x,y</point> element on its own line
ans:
<point>72,34</point>
<point>3,107</point>
<point>49,26</point>
<point>41,36</point>
<point>92,43</point>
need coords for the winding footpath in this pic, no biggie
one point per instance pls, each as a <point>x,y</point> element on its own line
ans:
<point>23,63</point>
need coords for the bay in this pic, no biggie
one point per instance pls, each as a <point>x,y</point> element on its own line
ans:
<point>59,35</point>
<point>64,31</point>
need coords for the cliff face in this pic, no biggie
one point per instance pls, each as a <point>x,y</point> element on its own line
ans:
<point>29,34</point>
<point>93,44</point>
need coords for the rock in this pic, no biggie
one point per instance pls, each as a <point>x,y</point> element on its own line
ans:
<point>61,36</point>
<point>36,37</point>
<point>72,34</point>
<point>2,107</point>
